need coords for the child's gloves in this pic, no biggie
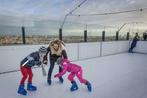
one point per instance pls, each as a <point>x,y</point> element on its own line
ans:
<point>57,75</point>
<point>45,60</point>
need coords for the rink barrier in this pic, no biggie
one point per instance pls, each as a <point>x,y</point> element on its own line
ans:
<point>141,47</point>
<point>12,55</point>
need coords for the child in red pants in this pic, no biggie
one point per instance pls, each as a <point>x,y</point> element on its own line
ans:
<point>75,70</point>
<point>26,65</point>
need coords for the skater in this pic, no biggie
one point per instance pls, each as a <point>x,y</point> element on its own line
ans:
<point>75,70</point>
<point>134,42</point>
<point>26,69</point>
<point>55,49</point>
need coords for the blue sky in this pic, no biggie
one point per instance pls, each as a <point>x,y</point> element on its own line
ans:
<point>14,12</point>
<point>34,7</point>
<point>57,9</point>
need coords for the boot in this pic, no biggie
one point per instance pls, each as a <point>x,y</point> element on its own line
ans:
<point>61,79</point>
<point>21,90</point>
<point>74,86</point>
<point>88,86</point>
<point>49,81</point>
<point>130,50</point>
<point>30,87</point>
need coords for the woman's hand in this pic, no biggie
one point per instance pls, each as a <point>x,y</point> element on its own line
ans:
<point>45,60</point>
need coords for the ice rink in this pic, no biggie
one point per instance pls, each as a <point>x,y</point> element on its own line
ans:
<point>116,76</point>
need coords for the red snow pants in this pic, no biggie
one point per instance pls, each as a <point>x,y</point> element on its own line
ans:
<point>26,73</point>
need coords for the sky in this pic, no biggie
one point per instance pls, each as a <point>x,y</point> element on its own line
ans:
<point>32,12</point>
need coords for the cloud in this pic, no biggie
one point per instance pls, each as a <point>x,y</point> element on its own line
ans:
<point>40,10</point>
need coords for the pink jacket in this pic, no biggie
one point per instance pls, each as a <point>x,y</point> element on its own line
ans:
<point>68,66</point>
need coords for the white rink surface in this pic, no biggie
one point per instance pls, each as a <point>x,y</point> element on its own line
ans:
<point>115,76</point>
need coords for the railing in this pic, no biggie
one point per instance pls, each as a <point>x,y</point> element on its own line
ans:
<point>23,36</point>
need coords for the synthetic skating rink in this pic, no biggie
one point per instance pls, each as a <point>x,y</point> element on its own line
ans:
<point>116,76</point>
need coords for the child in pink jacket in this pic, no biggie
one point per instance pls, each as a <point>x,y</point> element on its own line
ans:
<point>75,70</point>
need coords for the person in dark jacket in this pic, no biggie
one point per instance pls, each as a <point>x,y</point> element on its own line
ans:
<point>55,50</point>
<point>35,58</point>
<point>134,42</point>
<point>144,36</point>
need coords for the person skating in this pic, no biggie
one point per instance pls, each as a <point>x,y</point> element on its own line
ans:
<point>134,43</point>
<point>55,49</point>
<point>35,58</point>
<point>75,70</point>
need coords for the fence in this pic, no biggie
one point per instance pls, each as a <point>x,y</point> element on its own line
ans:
<point>22,36</point>
<point>12,55</point>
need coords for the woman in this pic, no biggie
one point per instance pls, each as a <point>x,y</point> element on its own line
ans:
<point>55,49</point>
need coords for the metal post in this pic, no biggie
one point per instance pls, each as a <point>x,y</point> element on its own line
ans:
<point>128,35</point>
<point>60,34</point>
<point>23,35</point>
<point>103,35</point>
<point>117,34</point>
<point>70,13</point>
<point>85,35</point>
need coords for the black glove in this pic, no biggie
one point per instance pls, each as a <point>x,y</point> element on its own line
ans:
<point>45,59</point>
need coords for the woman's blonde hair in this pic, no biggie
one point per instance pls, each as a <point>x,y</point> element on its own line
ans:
<point>57,41</point>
